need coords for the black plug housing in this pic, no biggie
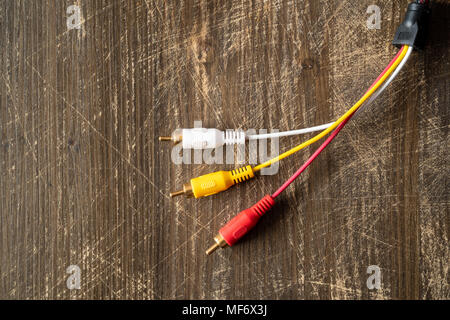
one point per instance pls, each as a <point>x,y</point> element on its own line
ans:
<point>413,30</point>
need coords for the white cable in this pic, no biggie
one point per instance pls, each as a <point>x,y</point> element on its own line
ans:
<point>202,138</point>
<point>387,82</point>
<point>288,133</point>
<point>324,126</point>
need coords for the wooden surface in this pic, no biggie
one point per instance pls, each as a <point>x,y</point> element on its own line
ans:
<point>84,181</point>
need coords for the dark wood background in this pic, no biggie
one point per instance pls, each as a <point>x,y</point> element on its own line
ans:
<point>84,180</point>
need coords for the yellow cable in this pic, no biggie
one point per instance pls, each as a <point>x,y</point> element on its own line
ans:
<point>215,182</point>
<point>338,121</point>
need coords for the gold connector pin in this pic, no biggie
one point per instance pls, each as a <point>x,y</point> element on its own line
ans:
<point>175,138</point>
<point>219,243</point>
<point>187,190</point>
<point>213,248</point>
<point>176,193</point>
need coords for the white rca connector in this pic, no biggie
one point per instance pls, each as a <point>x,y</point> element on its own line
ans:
<point>203,138</point>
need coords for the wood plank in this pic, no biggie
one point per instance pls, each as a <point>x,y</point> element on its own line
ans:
<point>84,180</point>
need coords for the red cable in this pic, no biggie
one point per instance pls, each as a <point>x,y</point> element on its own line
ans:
<point>329,139</point>
<point>311,159</point>
<point>387,68</point>
<point>237,227</point>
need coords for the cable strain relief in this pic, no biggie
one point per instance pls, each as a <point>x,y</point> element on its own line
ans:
<point>234,137</point>
<point>263,205</point>
<point>242,174</point>
<point>413,30</point>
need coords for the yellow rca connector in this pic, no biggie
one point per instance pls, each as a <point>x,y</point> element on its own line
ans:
<point>215,182</point>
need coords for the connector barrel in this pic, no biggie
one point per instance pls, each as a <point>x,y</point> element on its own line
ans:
<point>237,227</point>
<point>219,181</point>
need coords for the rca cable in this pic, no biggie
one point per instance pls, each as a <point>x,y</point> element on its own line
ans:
<point>410,35</point>
<point>219,181</point>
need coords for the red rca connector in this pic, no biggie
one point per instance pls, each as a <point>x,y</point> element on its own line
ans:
<point>237,227</point>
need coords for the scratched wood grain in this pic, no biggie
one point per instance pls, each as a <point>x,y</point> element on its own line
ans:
<point>84,181</point>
